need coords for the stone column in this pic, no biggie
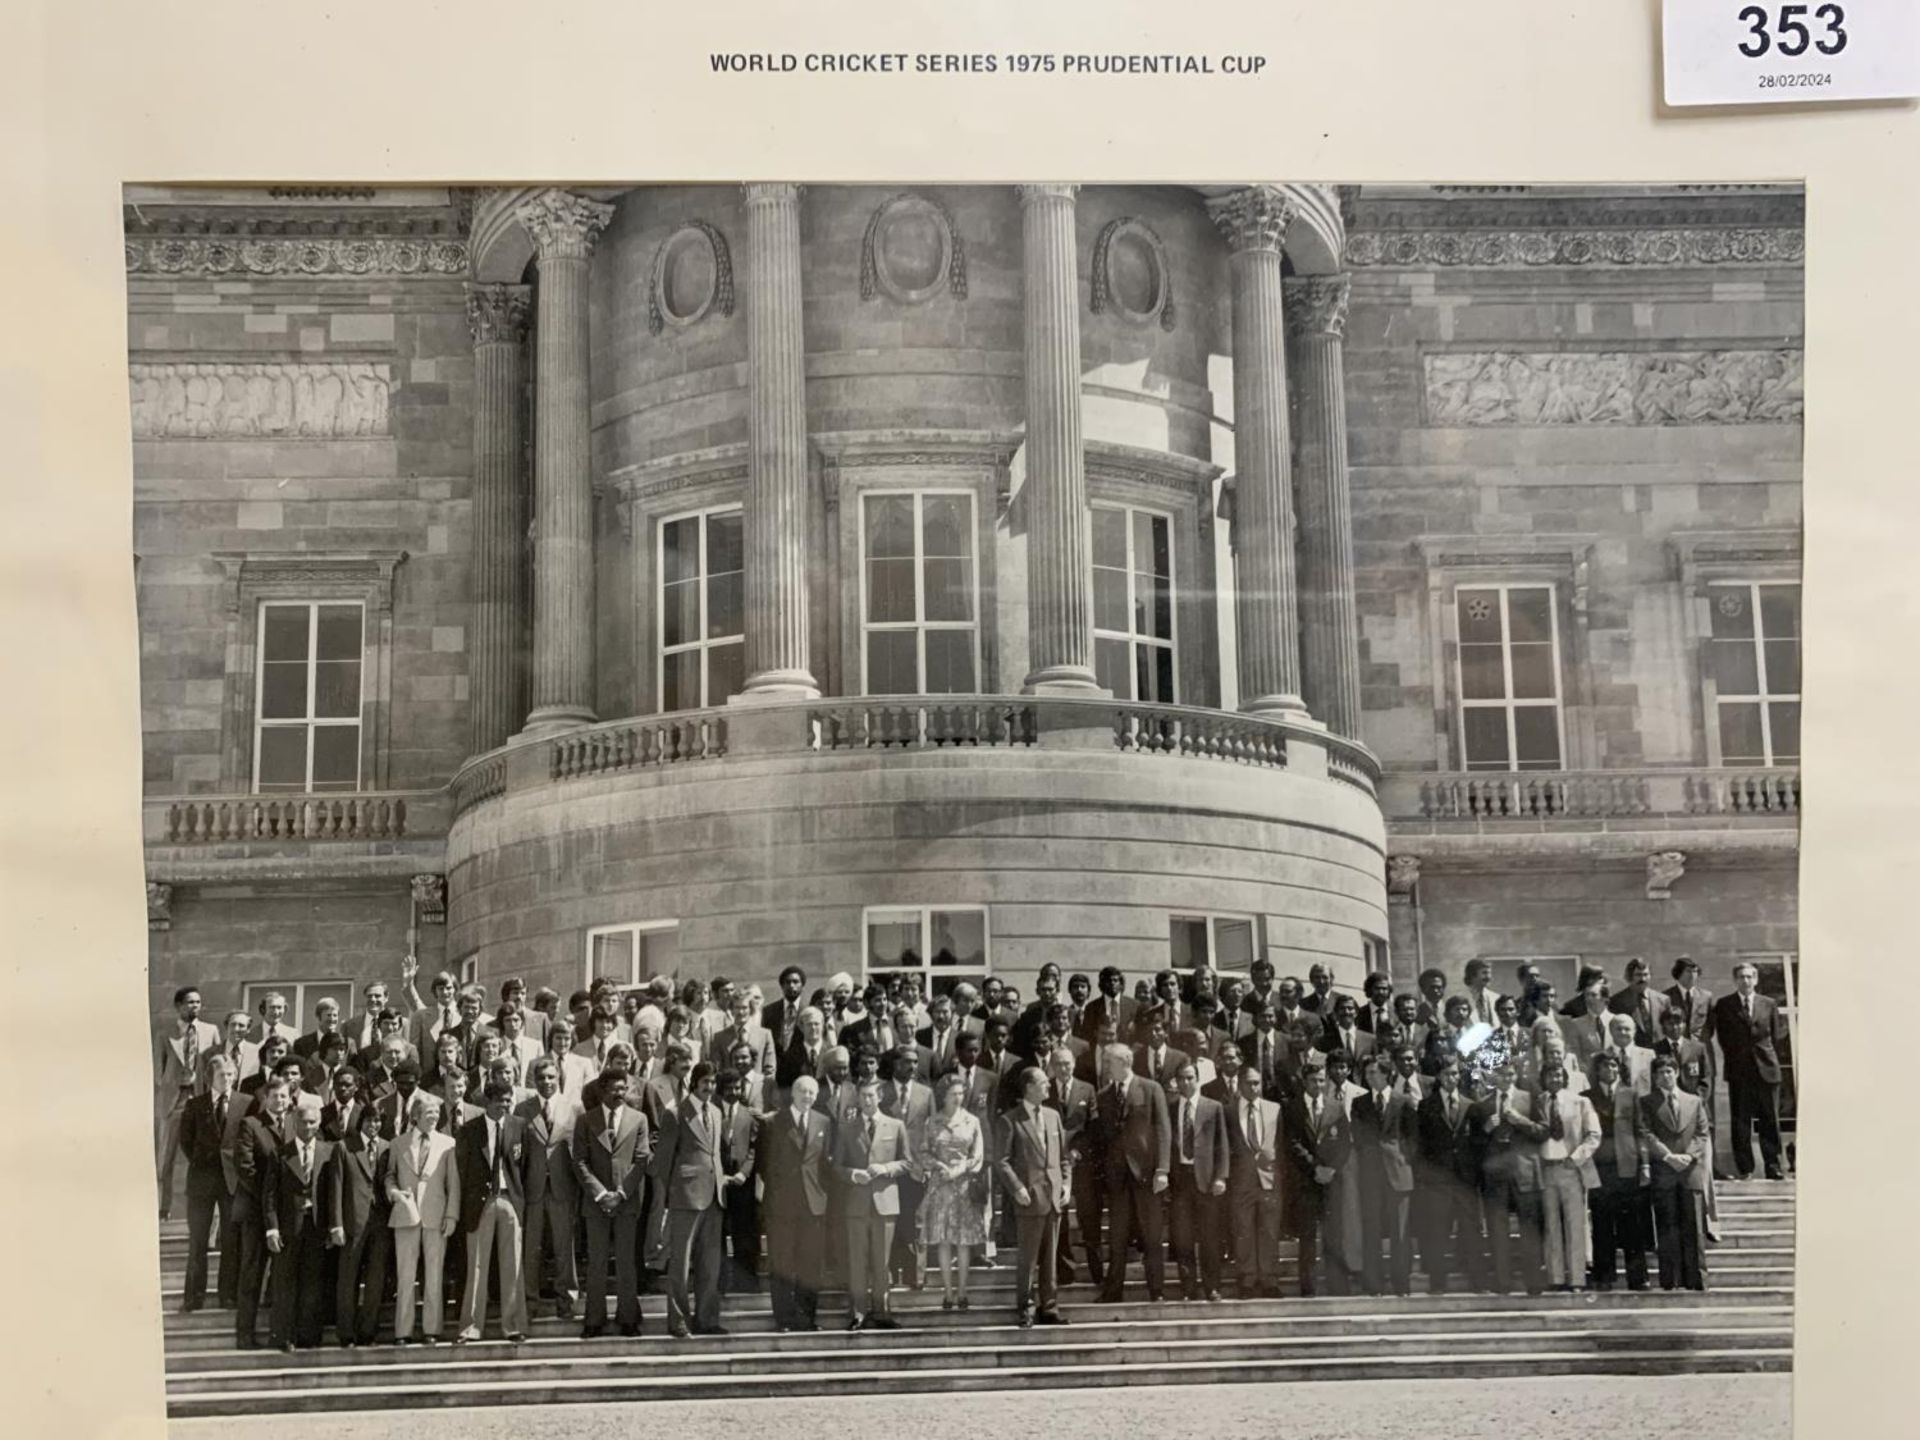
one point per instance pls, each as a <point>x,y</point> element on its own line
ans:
<point>1329,614</point>
<point>563,228</point>
<point>1254,222</point>
<point>1059,620</point>
<point>497,315</point>
<point>778,662</point>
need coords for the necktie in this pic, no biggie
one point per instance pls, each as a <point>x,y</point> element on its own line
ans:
<point>420,1155</point>
<point>1253,1126</point>
<point>220,1114</point>
<point>191,1050</point>
<point>1555,1127</point>
<point>546,1114</point>
<point>306,1159</point>
<point>499,1158</point>
<point>1380,1107</point>
<point>600,1052</point>
<point>1186,1131</point>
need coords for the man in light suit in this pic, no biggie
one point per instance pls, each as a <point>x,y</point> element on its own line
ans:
<point>1751,1030</point>
<point>1131,1133</point>
<point>1201,1166</point>
<point>791,1162</point>
<point>1639,1000</point>
<point>440,1013</point>
<point>178,1054</point>
<point>1254,1193</point>
<point>1693,1001</point>
<point>1674,1162</point>
<point>907,1100</point>
<point>552,1192</point>
<point>1385,1135</point>
<point>423,1188</point>
<point>1629,1052</point>
<point>1481,996</point>
<point>690,1170</point>
<point>273,1018</point>
<point>1032,1161</point>
<point>1509,1139</point>
<point>491,1155</point>
<point>746,1030</point>
<point>870,1154</point>
<point>242,1054</point>
<point>296,1238</point>
<point>611,1147</point>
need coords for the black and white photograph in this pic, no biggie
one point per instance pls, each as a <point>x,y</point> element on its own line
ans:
<point>1003,793</point>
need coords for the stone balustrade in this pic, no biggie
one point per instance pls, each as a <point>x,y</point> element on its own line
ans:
<point>1593,795</point>
<point>910,724</point>
<point>481,780</point>
<point>250,819</point>
<point>633,744</point>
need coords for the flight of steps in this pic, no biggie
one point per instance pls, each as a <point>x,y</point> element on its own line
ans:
<point>1743,1322</point>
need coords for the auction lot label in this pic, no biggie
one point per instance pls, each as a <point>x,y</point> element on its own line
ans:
<point>1743,52</point>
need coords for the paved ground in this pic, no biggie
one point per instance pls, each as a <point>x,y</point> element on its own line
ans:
<point>1701,1407</point>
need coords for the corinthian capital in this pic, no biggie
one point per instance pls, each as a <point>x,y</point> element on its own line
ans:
<point>498,313</point>
<point>1316,305</point>
<point>1255,218</point>
<point>564,226</point>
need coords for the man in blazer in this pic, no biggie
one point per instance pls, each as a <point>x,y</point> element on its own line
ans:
<point>690,1171</point>
<point>423,1192</point>
<point>1111,1004</point>
<point>241,1052</point>
<point>1132,1135</point>
<point>1693,1001</point>
<point>1317,1141</point>
<point>178,1053</point>
<point>203,1127</point>
<point>1343,1032</point>
<point>256,1151</point>
<point>1640,1001</point>
<point>746,1030</point>
<point>907,1100</point>
<point>491,1156</point>
<point>273,1018</point>
<point>441,1013</point>
<point>1200,1165</point>
<point>1447,1185</point>
<point>1156,1059</point>
<point>326,1021</point>
<point>1691,1056</point>
<point>1629,1052</point>
<point>1254,1185</point>
<point>940,1037</point>
<point>358,1213</point>
<point>780,1018</point>
<point>1621,1221</point>
<point>1071,1098</point>
<point>791,1162</point>
<point>805,1053</point>
<point>1674,1162</point>
<point>870,1154</point>
<point>1032,1162</point>
<point>552,1192</point>
<point>739,1134</point>
<point>1751,1030</point>
<point>1509,1140</point>
<point>612,1145</point>
<point>1385,1134</point>
<point>295,1236</point>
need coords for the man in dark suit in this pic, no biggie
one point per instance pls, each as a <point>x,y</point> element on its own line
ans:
<point>1032,1162</point>
<point>1201,1165</point>
<point>689,1169</point>
<point>1318,1143</point>
<point>326,1021</point>
<point>1639,999</point>
<point>1694,1060</point>
<point>1375,1013</point>
<point>356,1214</point>
<point>870,1154</point>
<point>1254,1185</point>
<point>295,1237</point>
<point>1750,1030</point>
<point>1319,998</point>
<point>552,1191</point>
<point>739,1132</point>
<point>1027,1038</point>
<point>1071,1099</point>
<point>791,1161</point>
<point>1447,1183</point>
<point>256,1153</point>
<point>780,1017</point>
<point>1112,1003</point>
<point>1674,1163</point>
<point>1155,1059</point>
<point>1133,1137</point>
<point>491,1152</point>
<point>1385,1133</point>
<point>1618,1205</point>
<point>1690,998</point>
<point>1227,1065</point>
<point>611,1147</point>
<point>1509,1139</point>
<point>940,1037</point>
<point>203,1128</point>
<point>805,1053</point>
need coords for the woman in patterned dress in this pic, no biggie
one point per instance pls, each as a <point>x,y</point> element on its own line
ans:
<point>950,1215</point>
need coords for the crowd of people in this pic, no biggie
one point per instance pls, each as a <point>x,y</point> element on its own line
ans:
<point>706,1138</point>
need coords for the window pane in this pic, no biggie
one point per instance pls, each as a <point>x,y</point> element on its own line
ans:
<point>726,672</point>
<point>1783,667</point>
<point>1111,670</point>
<point>613,956</point>
<point>1530,614</point>
<point>1779,611</point>
<point>1186,942</point>
<point>1533,672</point>
<point>1482,673</point>
<point>659,952</point>
<point>1110,600</point>
<point>680,681</point>
<point>1486,733</point>
<point>950,662</point>
<point>1234,947</point>
<point>945,525</point>
<point>336,689</point>
<point>726,604</point>
<point>284,634</point>
<point>283,757</point>
<point>949,590</point>
<point>680,613</point>
<point>1151,550</point>
<point>1158,621</point>
<point>959,937</point>
<point>893,942</point>
<point>1785,720</point>
<point>283,690</point>
<point>680,550</point>
<point>1740,735</point>
<point>1162,673</point>
<point>336,757</point>
<point>1110,538</point>
<point>890,525</point>
<point>1536,734</point>
<point>1736,671</point>
<point>1478,614</point>
<point>889,590</point>
<point>891,664</point>
<point>339,637</point>
<point>726,545</point>
<point>1732,612</point>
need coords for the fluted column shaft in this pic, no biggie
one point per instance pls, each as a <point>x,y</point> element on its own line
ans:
<point>1254,222</point>
<point>778,659</point>
<point>497,315</point>
<point>563,228</point>
<point>1329,612</point>
<point>1059,623</point>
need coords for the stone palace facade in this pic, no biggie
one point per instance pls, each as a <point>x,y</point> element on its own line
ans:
<point>706,578</point>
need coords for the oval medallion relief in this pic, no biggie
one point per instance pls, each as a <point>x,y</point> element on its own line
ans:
<point>692,277</point>
<point>912,252</point>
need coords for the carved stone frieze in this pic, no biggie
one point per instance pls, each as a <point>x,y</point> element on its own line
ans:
<point>1655,387</point>
<point>1403,873</point>
<point>430,898</point>
<point>563,225</point>
<point>334,399</point>
<point>1664,869</point>
<point>243,257</point>
<point>159,906</point>
<point>1530,249</point>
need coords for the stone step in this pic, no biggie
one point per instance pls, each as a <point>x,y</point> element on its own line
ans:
<point>1650,1356</point>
